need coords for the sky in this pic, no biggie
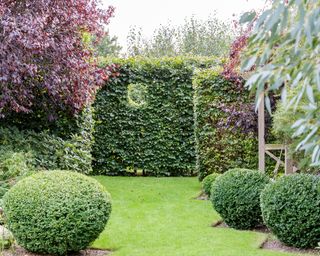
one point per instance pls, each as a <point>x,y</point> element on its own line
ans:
<point>149,14</point>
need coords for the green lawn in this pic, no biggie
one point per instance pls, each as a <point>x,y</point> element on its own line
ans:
<point>160,217</point>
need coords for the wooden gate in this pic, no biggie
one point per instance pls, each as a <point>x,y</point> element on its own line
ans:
<point>267,148</point>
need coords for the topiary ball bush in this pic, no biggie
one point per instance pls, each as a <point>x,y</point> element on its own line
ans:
<point>291,209</point>
<point>56,212</point>
<point>235,195</point>
<point>208,181</point>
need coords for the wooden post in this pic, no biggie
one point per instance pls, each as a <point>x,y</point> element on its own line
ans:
<point>288,167</point>
<point>261,131</point>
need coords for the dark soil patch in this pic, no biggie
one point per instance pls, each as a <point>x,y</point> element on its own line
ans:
<point>276,245</point>
<point>222,224</point>
<point>19,251</point>
<point>261,229</point>
<point>271,243</point>
<point>219,224</point>
<point>202,196</point>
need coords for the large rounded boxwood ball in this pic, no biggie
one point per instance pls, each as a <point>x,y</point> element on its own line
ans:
<point>56,212</point>
<point>235,195</point>
<point>291,209</point>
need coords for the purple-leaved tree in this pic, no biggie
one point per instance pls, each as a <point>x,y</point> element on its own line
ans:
<point>44,61</point>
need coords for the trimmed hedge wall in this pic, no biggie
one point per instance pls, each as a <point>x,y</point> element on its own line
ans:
<point>218,148</point>
<point>162,117</point>
<point>144,119</point>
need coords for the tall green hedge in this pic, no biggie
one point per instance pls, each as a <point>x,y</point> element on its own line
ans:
<point>144,119</point>
<point>219,148</point>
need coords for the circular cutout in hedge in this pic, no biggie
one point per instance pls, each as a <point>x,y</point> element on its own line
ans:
<point>56,212</point>
<point>236,197</point>
<point>291,209</point>
<point>137,95</point>
<point>208,181</point>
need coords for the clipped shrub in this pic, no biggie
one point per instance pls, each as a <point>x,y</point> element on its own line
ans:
<point>236,197</point>
<point>56,212</point>
<point>291,209</point>
<point>208,181</point>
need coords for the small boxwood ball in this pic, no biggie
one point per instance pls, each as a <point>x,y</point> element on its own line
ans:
<point>56,212</point>
<point>235,195</point>
<point>291,209</point>
<point>208,181</point>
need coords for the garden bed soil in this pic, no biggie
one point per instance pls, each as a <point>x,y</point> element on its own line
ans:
<point>276,245</point>
<point>19,251</point>
<point>271,243</point>
<point>222,224</point>
<point>202,196</point>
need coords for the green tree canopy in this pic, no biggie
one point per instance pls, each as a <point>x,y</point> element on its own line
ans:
<point>210,37</point>
<point>108,46</point>
<point>284,49</point>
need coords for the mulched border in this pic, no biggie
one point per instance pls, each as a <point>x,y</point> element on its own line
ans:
<point>260,229</point>
<point>271,243</point>
<point>202,196</point>
<point>275,245</point>
<point>19,251</point>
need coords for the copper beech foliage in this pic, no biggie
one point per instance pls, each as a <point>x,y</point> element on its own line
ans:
<point>44,62</point>
<point>240,114</point>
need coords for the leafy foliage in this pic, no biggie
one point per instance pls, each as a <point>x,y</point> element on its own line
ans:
<point>284,47</point>
<point>195,37</point>
<point>231,68</point>
<point>236,197</point>
<point>223,140</point>
<point>45,65</point>
<point>68,149</point>
<point>291,209</point>
<point>145,119</point>
<point>108,46</point>
<point>56,212</point>
<point>283,119</point>
<point>13,166</point>
<point>208,181</point>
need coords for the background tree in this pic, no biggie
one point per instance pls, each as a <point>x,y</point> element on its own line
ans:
<point>135,42</point>
<point>44,63</point>
<point>210,37</point>
<point>108,46</point>
<point>284,48</point>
